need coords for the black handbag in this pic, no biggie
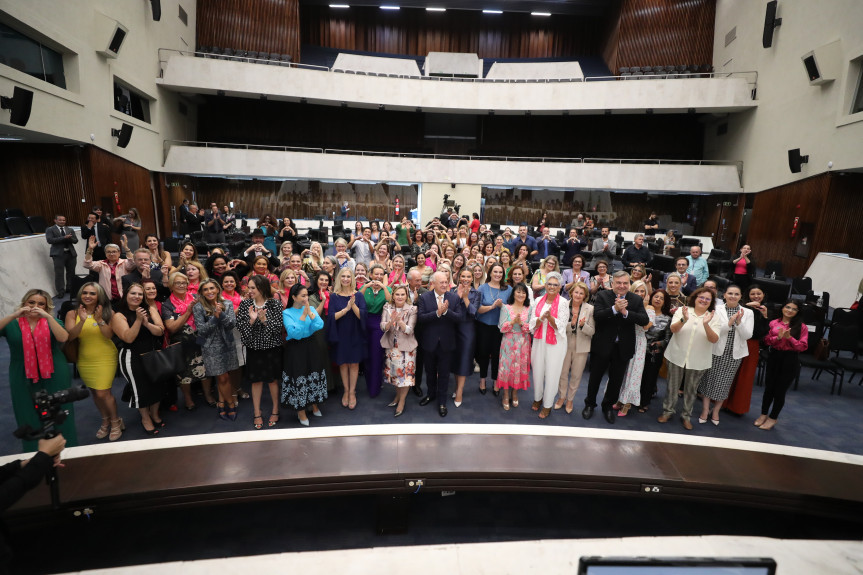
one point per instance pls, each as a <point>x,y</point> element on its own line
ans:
<point>162,364</point>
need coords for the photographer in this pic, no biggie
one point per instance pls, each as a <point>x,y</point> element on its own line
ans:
<point>18,477</point>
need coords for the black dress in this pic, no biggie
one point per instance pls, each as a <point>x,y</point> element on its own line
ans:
<point>144,392</point>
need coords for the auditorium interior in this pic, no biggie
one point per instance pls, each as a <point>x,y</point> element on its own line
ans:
<point>737,122</point>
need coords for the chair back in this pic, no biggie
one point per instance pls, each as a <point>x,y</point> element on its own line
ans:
<point>844,338</point>
<point>37,224</point>
<point>771,267</point>
<point>801,286</point>
<point>13,213</point>
<point>18,226</point>
<point>845,316</point>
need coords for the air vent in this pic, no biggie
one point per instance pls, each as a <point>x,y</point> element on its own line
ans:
<point>722,129</point>
<point>729,38</point>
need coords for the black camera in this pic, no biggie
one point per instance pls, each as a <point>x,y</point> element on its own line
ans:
<point>49,408</point>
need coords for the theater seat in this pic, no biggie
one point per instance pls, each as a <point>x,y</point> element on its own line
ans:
<point>13,213</point>
<point>18,227</point>
<point>37,224</point>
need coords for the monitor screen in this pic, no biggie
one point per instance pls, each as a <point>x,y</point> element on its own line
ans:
<point>676,566</point>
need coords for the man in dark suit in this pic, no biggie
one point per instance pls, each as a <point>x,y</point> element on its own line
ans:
<point>63,253</point>
<point>415,290</point>
<point>100,231</point>
<point>572,246</point>
<point>688,283</point>
<point>194,220</point>
<point>142,271</point>
<point>616,312</point>
<point>439,313</point>
<point>546,245</point>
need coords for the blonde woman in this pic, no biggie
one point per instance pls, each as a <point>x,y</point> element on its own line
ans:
<point>286,250</point>
<point>346,332</point>
<point>398,321</point>
<point>547,266</point>
<point>90,324</point>
<point>287,280</point>
<point>196,274</point>
<point>630,390</point>
<point>314,257</point>
<point>579,334</point>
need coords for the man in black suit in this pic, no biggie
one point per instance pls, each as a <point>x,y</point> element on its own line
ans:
<point>143,270</point>
<point>415,290</point>
<point>439,313</point>
<point>194,220</point>
<point>616,312</point>
<point>100,231</point>
<point>61,237</point>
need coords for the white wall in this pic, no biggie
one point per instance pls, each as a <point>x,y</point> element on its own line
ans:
<point>206,75</point>
<point>468,196</point>
<point>314,166</point>
<point>790,113</point>
<point>76,28</point>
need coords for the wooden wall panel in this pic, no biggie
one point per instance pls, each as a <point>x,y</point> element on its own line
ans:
<point>416,32</point>
<point>773,215</point>
<point>259,25</point>
<point>661,33</point>
<point>44,179</point>
<point>840,227</point>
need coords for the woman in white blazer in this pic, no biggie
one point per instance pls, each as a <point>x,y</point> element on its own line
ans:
<point>728,352</point>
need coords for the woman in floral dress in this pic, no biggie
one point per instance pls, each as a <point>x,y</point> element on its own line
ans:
<point>514,367</point>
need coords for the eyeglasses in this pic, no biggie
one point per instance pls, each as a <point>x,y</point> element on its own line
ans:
<point>178,283</point>
<point>704,298</point>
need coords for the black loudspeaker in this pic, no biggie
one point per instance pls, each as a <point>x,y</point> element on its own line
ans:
<point>156,5</point>
<point>19,104</point>
<point>123,135</point>
<point>795,160</point>
<point>770,22</point>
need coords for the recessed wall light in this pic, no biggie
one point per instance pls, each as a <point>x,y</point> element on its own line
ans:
<point>390,7</point>
<point>435,9</point>
<point>492,11</point>
<point>339,6</point>
<point>540,13</point>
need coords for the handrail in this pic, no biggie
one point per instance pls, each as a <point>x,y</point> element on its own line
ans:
<point>668,76</point>
<point>167,144</point>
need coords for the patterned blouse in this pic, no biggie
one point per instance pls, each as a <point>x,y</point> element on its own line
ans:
<point>259,335</point>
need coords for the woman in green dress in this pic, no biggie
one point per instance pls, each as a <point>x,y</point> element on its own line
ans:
<point>36,362</point>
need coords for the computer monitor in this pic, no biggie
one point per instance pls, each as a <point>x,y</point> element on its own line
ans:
<point>676,566</point>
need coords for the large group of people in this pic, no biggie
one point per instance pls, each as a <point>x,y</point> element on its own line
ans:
<point>394,304</point>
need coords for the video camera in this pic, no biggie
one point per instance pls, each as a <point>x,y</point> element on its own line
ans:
<point>48,407</point>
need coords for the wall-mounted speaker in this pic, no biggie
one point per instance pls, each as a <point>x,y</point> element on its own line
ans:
<point>770,22</point>
<point>109,36</point>
<point>19,105</point>
<point>124,134</point>
<point>156,5</point>
<point>822,64</point>
<point>795,160</point>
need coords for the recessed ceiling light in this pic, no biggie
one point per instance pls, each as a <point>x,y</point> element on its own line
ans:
<point>492,11</point>
<point>435,9</point>
<point>339,6</point>
<point>388,7</point>
<point>540,13</point>
<point>10,139</point>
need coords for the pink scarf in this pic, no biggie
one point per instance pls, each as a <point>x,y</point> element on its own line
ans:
<point>550,336</point>
<point>181,306</point>
<point>38,358</point>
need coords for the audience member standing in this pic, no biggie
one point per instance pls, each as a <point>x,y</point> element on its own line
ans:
<point>788,336</point>
<point>111,270</point>
<point>697,265</point>
<point>657,339</point>
<point>214,232</point>
<point>637,253</point>
<point>630,390</point>
<point>346,332</point>
<point>695,329</point>
<point>492,295</point>
<point>579,335</point>
<point>62,239</point>
<point>615,313</point>
<point>131,226</point>
<point>604,247</point>
<point>572,246</point>
<point>740,394</point>
<point>398,324</point>
<point>304,379</point>
<point>100,231</point>
<point>376,294</point>
<point>215,321</point>
<point>465,349</point>
<point>439,312</point>
<point>744,268</point>
<point>549,316</point>
<point>688,282</point>
<point>514,324</point>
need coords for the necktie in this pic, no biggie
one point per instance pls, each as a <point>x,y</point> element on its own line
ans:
<point>62,231</point>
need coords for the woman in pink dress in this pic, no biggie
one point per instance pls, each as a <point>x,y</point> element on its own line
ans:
<point>514,367</point>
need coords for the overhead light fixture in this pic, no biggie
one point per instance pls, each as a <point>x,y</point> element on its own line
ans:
<point>10,139</point>
<point>540,13</point>
<point>339,6</point>
<point>435,9</point>
<point>492,11</point>
<point>390,7</point>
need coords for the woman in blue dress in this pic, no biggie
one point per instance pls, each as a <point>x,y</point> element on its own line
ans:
<point>462,365</point>
<point>488,336</point>
<point>268,226</point>
<point>346,331</point>
<point>304,379</point>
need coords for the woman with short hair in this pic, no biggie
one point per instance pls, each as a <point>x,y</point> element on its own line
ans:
<point>579,336</point>
<point>695,328</point>
<point>398,322</point>
<point>547,266</point>
<point>180,323</point>
<point>549,316</point>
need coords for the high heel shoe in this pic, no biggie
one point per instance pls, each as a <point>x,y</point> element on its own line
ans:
<point>151,432</point>
<point>223,414</point>
<point>483,390</point>
<point>456,403</point>
<point>258,425</point>
<point>395,402</point>
<point>117,429</point>
<point>760,421</point>
<point>103,430</point>
<point>317,412</point>
<point>232,412</point>
<point>272,422</point>
<point>768,425</point>
<point>304,422</point>
<point>702,420</point>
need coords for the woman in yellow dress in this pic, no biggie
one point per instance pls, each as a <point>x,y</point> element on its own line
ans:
<point>90,324</point>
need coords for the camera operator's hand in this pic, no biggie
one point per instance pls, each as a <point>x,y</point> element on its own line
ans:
<point>52,447</point>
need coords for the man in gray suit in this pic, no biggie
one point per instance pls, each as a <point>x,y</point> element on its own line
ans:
<point>63,253</point>
<point>604,247</point>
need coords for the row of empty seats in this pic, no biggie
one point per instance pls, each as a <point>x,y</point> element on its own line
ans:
<point>15,223</point>
<point>271,58</point>
<point>665,72</point>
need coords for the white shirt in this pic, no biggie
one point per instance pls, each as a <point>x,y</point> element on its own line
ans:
<point>690,347</point>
